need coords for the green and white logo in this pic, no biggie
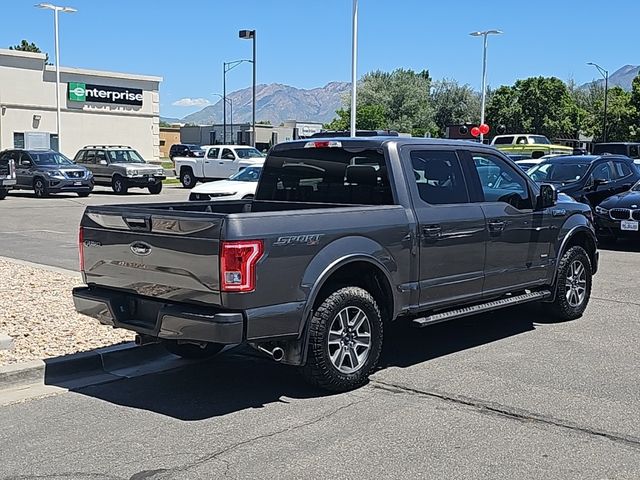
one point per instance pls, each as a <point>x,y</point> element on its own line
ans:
<point>77,92</point>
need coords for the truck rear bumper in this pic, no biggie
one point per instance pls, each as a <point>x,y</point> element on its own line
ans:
<point>157,318</point>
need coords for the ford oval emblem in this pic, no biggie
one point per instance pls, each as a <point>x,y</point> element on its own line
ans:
<point>140,248</point>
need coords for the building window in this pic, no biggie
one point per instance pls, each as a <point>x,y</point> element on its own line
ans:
<point>53,142</point>
<point>18,140</point>
<point>162,142</point>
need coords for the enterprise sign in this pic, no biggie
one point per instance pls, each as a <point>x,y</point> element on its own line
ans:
<point>84,92</point>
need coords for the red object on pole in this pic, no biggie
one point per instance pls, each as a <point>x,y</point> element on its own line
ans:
<point>475,131</point>
<point>484,129</point>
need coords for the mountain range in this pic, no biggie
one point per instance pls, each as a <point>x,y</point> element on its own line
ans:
<point>621,77</point>
<point>276,103</point>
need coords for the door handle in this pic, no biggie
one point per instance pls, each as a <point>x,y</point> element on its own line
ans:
<point>432,231</point>
<point>496,226</point>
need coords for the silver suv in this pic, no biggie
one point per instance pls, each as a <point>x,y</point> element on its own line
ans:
<point>121,168</point>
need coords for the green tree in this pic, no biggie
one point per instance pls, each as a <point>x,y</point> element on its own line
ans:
<point>503,108</point>
<point>25,46</point>
<point>634,107</point>
<point>453,103</point>
<point>368,117</point>
<point>620,115</point>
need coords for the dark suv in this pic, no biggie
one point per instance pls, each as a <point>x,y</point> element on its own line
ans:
<point>587,178</point>
<point>48,171</point>
<point>121,168</point>
<point>185,150</point>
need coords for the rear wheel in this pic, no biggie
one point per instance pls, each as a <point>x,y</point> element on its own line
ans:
<point>187,178</point>
<point>119,185</point>
<point>40,188</point>
<point>3,193</point>
<point>345,340</point>
<point>192,351</point>
<point>574,285</point>
<point>155,189</point>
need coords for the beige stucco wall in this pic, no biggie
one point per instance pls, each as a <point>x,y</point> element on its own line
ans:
<point>27,91</point>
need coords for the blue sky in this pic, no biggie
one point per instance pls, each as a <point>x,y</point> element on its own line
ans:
<point>306,43</point>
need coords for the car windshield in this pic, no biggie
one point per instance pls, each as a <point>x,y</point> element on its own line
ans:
<point>249,174</point>
<point>49,158</point>
<point>249,153</point>
<point>125,156</point>
<point>559,172</point>
<point>195,148</point>
<point>539,139</point>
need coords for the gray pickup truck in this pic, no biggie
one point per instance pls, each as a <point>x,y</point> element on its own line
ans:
<point>343,237</point>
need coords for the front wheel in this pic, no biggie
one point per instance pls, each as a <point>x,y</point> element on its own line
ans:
<point>574,285</point>
<point>192,351</point>
<point>3,193</point>
<point>155,189</point>
<point>40,188</point>
<point>187,178</point>
<point>119,185</point>
<point>345,340</point>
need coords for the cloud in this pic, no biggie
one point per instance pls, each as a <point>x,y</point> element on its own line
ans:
<point>191,102</point>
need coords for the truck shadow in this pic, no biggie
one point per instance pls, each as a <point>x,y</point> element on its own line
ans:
<point>241,379</point>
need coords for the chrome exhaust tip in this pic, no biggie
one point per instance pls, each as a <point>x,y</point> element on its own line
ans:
<point>276,353</point>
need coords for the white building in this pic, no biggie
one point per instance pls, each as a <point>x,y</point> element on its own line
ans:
<point>97,107</point>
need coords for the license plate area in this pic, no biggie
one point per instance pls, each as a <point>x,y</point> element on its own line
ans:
<point>629,226</point>
<point>77,183</point>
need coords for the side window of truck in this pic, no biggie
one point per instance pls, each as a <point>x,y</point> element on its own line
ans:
<point>500,182</point>
<point>213,153</point>
<point>503,141</point>
<point>439,177</point>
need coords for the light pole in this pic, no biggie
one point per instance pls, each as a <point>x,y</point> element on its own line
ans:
<point>354,66</point>
<point>57,9</point>
<point>605,75</point>
<point>227,66</point>
<point>484,34</point>
<point>251,35</point>
<point>226,100</point>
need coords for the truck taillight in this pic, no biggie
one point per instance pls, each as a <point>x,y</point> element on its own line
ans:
<point>81,247</point>
<point>238,265</point>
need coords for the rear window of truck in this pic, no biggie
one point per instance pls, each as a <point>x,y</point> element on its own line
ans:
<point>326,175</point>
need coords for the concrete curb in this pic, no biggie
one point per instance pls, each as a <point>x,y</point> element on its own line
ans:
<point>88,368</point>
<point>6,342</point>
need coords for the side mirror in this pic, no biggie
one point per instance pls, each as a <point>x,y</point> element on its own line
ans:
<point>26,163</point>
<point>548,196</point>
<point>599,181</point>
<point>102,162</point>
<point>229,156</point>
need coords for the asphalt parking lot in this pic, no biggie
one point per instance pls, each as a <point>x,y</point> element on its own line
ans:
<point>46,230</point>
<point>508,395</point>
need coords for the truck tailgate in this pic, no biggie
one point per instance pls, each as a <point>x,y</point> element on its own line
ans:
<point>171,255</point>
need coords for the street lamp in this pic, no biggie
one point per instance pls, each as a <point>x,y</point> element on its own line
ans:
<point>57,9</point>
<point>227,66</point>
<point>605,75</point>
<point>226,100</point>
<point>484,34</point>
<point>354,65</point>
<point>251,35</point>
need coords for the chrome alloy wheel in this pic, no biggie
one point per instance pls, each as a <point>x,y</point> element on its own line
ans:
<point>576,283</point>
<point>349,340</point>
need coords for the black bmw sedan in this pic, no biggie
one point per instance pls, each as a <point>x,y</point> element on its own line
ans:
<point>619,215</point>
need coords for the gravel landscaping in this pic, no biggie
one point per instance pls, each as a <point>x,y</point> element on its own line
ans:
<point>36,309</point>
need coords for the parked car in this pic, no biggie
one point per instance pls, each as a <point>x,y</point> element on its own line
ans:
<point>185,150</point>
<point>629,149</point>
<point>7,175</point>
<point>121,168</point>
<point>526,144</point>
<point>47,171</point>
<point>587,178</point>
<point>219,162</point>
<point>242,185</point>
<point>619,215</point>
<point>343,236</point>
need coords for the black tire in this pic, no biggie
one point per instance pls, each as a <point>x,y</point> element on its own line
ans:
<point>83,194</point>
<point>567,306</point>
<point>320,369</point>
<point>156,188</point>
<point>192,351</point>
<point>187,178</point>
<point>119,185</point>
<point>3,193</point>
<point>40,187</point>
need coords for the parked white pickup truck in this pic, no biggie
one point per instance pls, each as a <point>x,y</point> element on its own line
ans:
<point>219,161</point>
